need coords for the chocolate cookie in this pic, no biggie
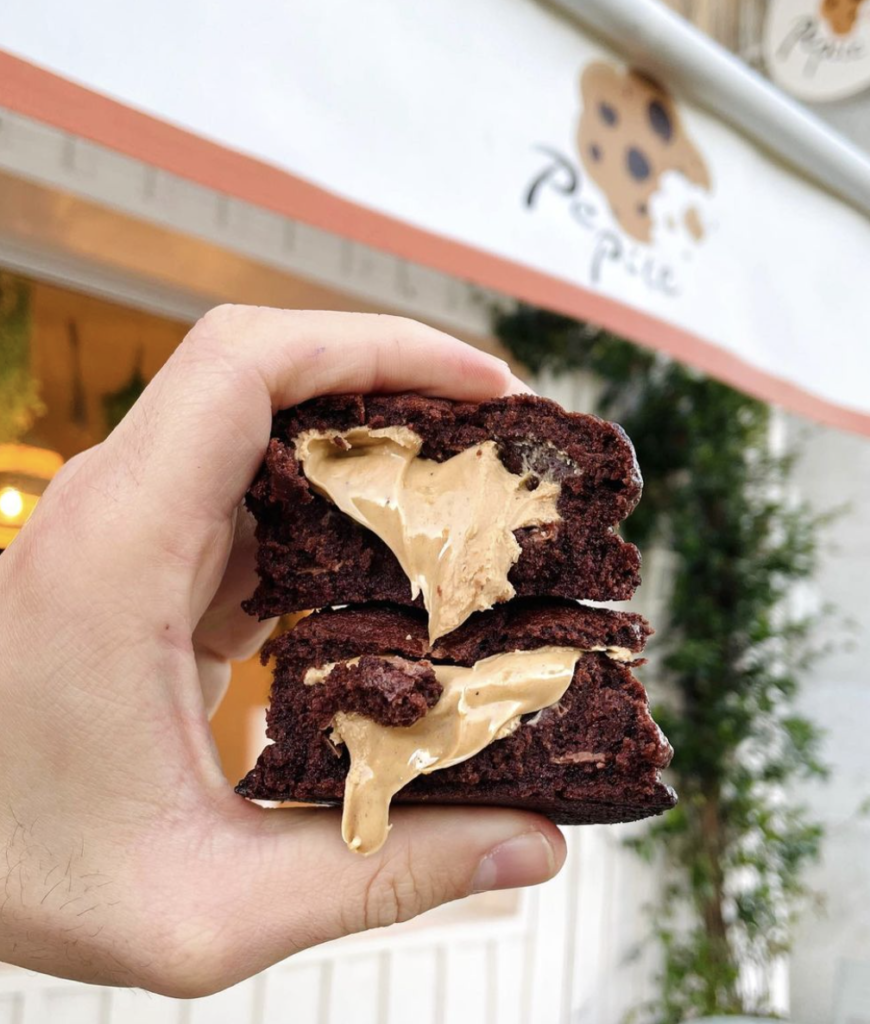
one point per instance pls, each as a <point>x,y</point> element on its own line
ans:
<point>593,755</point>
<point>457,505</point>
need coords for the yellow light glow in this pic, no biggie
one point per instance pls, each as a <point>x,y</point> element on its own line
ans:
<point>11,503</point>
<point>24,458</point>
<point>24,474</point>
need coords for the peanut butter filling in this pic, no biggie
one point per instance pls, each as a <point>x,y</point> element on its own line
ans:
<point>478,705</point>
<point>450,524</point>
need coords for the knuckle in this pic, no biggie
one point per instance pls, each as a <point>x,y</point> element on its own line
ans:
<point>53,531</point>
<point>217,326</point>
<point>220,316</point>
<point>67,500</point>
<point>395,892</point>
<point>68,470</point>
<point>75,509</point>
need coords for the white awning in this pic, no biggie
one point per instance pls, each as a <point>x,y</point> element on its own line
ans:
<point>503,142</point>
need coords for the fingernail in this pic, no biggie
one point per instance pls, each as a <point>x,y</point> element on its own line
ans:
<point>525,860</point>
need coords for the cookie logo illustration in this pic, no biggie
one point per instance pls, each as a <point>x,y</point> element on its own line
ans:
<point>635,191</point>
<point>630,134</point>
<point>841,15</point>
<point>818,50</point>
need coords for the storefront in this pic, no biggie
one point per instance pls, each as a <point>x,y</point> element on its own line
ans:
<point>446,165</point>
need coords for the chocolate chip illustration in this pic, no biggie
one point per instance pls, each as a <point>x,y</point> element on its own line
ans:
<point>660,120</point>
<point>694,224</point>
<point>630,134</point>
<point>638,165</point>
<point>607,113</point>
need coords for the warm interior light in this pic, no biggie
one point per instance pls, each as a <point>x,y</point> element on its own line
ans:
<point>11,503</point>
<point>24,474</point>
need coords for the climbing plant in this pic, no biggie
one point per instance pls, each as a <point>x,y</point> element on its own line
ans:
<point>728,661</point>
<point>19,394</point>
<point>116,404</point>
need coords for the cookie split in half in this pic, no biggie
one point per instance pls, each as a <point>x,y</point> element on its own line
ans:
<point>460,673</point>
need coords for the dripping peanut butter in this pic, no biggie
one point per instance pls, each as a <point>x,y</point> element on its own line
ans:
<point>450,524</point>
<point>478,706</point>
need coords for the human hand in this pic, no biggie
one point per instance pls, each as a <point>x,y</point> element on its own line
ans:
<point>129,858</point>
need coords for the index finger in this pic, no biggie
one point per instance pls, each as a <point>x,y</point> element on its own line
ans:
<point>201,428</point>
<point>182,459</point>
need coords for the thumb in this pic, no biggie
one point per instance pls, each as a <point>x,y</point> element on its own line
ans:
<point>295,884</point>
<point>433,855</point>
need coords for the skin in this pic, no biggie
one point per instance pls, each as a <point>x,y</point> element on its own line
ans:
<point>128,858</point>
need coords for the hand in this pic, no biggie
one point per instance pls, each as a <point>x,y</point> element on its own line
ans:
<point>129,858</point>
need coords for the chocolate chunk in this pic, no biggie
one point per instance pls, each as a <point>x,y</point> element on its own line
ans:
<point>390,691</point>
<point>608,114</point>
<point>638,165</point>
<point>660,120</point>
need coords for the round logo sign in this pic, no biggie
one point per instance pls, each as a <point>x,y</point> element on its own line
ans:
<point>819,49</point>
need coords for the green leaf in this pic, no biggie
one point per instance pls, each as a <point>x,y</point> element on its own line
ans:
<point>729,661</point>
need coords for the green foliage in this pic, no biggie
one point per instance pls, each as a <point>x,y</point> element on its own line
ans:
<point>19,394</point>
<point>716,496</point>
<point>116,404</point>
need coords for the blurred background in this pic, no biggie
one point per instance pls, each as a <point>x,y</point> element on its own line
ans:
<point>752,898</point>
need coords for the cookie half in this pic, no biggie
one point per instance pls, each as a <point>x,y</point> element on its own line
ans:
<point>532,705</point>
<point>455,507</point>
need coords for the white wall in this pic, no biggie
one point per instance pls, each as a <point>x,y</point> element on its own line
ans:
<point>830,970</point>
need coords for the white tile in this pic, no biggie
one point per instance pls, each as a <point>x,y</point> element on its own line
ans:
<point>295,995</point>
<point>505,965</point>
<point>11,1008</point>
<point>133,1006</point>
<point>354,990</point>
<point>75,1005</point>
<point>547,947</point>
<point>466,988</point>
<point>234,1006</point>
<point>414,978</point>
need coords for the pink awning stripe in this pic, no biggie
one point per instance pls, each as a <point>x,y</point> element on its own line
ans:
<point>47,97</point>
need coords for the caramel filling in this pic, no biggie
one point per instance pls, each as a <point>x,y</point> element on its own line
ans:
<point>450,524</point>
<point>478,705</point>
